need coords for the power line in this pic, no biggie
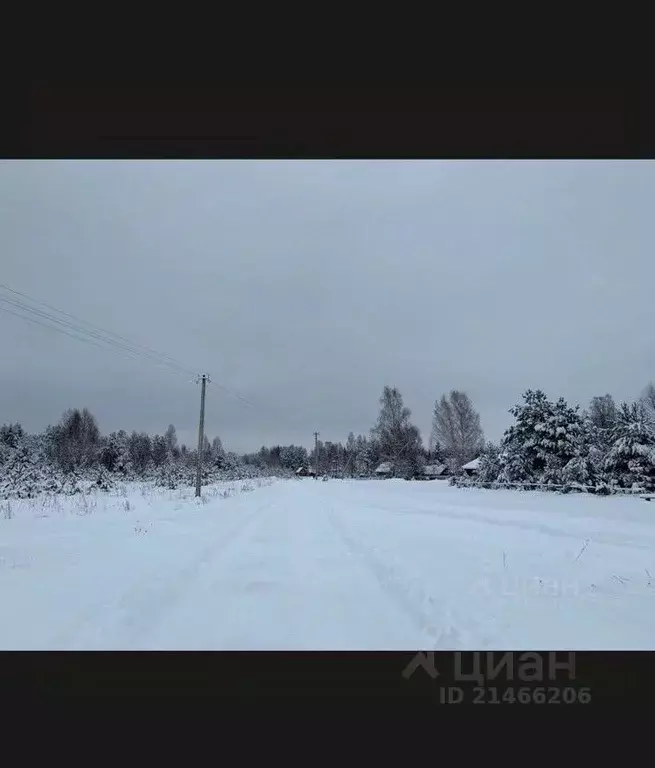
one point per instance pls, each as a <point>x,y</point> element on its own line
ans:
<point>268,410</point>
<point>90,334</point>
<point>233,393</point>
<point>72,336</point>
<point>57,330</point>
<point>79,324</point>
<point>84,331</point>
<point>133,352</point>
<point>95,327</point>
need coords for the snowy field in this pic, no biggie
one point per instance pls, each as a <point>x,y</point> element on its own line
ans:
<point>301,564</point>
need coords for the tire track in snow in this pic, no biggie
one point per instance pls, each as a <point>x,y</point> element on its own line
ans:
<point>142,606</point>
<point>440,627</point>
<point>458,514</point>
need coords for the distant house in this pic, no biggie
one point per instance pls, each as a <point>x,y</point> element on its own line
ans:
<point>384,470</point>
<point>305,472</point>
<point>472,467</point>
<point>435,472</point>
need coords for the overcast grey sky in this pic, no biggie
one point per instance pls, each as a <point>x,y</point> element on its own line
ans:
<point>308,285</point>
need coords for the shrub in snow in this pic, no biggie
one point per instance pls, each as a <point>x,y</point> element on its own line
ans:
<point>580,471</point>
<point>11,435</point>
<point>552,473</point>
<point>513,464</point>
<point>70,485</point>
<point>103,481</point>
<point>86,505</point>
<point>171,475</point>
<point>24,474</point>
<point>489,468</point>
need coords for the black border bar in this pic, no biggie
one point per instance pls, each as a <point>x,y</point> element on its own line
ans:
<point>77,120</point>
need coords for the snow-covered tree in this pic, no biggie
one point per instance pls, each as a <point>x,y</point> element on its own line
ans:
<point>350,455</point>
<point>456,428</point>
<point>159,450</point>
<point>631,459</point>
<point>599,423</point>
<point>217,451</point>
<point>292,457</point>
<point>26,471</point>
<point>369,456</point>
<point>11,435</point>
<point>545,437</point>
<point>108,452</point>
<point>582,470</point>
<point>171,441</point>
<point>75,441</point>
<point>399,440</point>
<point>123,465</point>
<point>490,468</point>
<point>140,449</point>
<point>647,402</point>
<point>586,468</point>
<point>603,413</point>
<point>435,453</point>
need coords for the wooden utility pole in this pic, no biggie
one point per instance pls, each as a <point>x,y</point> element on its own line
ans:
<point>316,454</point>
<point>201,433</point>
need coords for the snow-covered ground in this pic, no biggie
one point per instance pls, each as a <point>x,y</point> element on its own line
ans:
<point>302,564</point>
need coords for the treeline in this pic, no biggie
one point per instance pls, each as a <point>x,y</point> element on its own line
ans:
<point>456,438</point>
<point>74,451</point>
<point>550,443</point>
<point>393,438</point>
<point>602,448</point>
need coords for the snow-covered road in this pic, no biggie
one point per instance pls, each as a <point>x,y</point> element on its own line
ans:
<point>338,565</point>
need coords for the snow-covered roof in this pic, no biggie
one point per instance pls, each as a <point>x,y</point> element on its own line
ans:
<point>384,467</point>
<point>434,469</point>
<point>475,464</point>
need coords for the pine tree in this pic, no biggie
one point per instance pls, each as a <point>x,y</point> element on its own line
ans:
<point>24,473</point>
<point>631,459</point>
<point>647,402</point>
<point>11,435</point>
<point>541,443</point>
<point>586,466</point>
<point>123,465</point>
